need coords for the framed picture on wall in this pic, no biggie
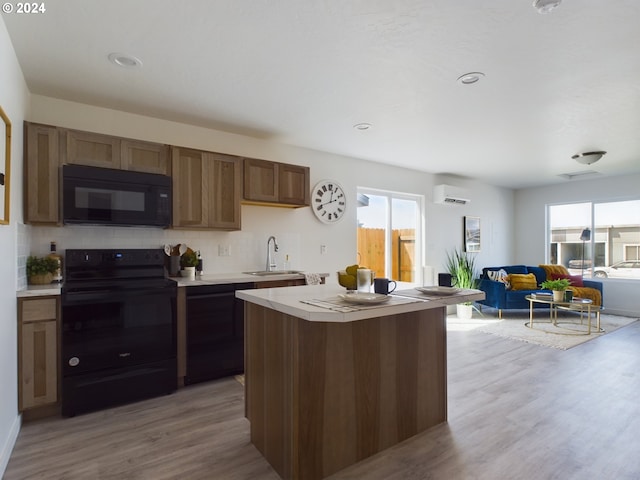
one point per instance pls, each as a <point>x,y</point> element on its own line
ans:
<point>5,166</point>
<point>471,234</point>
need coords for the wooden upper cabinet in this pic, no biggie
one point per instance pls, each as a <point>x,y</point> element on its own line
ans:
<point>260,180</point>
<point>225,177</point>
<point>190,188</point>
<point>206,189</point>
<point>97,150</point>
<point>92,149</point>
<point>145,157</point>
<point>273,183</point>
<point>41,180</point>
<point>293,184</point>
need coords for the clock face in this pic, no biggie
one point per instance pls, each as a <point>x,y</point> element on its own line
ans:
<point>328,201</point>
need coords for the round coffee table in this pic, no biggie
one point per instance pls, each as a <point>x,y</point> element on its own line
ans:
<point>581,305</point>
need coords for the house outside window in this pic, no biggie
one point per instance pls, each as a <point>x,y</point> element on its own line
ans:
<point>390,234</point>
<point>596,239</point>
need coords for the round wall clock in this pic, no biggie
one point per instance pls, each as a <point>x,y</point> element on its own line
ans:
<point>328,201</point>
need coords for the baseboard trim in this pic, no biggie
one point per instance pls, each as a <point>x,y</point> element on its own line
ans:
<point>9,443</point>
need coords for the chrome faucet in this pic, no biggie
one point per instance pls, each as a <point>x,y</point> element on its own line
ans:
<point>271,264</point>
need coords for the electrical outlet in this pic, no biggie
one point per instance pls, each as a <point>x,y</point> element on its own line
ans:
<point>224,251</point>
<point>323,249</point>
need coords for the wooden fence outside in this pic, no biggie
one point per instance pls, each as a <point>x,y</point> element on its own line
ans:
<point>371,249</point>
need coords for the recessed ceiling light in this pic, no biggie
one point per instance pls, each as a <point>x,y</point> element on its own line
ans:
<point>362,126</point>
<point>124,60</point>
<point>470,78</point>
<point>545,6</point>
<point>587,158</point>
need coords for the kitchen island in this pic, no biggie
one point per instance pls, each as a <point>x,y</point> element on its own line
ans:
<point>326,388</point>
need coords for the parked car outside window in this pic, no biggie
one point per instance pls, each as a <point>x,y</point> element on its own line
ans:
<point>628,269</point>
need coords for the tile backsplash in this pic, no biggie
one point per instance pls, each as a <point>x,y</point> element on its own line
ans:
<point>221,251</point>
<point>24,250</point>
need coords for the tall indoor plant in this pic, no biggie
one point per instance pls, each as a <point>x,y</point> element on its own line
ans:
<point>462,268</point>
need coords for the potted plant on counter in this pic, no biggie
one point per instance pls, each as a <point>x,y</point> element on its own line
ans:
<point>40,270</point>
<point>188,261</point>
<point>462,268</point>
<point>557,286</point>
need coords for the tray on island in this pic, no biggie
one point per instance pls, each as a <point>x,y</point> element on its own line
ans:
<point>363,297</point>
<point>438,290</point>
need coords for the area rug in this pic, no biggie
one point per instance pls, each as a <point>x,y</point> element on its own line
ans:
<point>568,333</point>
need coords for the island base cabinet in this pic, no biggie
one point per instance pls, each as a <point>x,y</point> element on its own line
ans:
<point>321,396</point>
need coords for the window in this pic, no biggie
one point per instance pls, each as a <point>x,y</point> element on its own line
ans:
<point>389,234</point>
<point>596,239</point>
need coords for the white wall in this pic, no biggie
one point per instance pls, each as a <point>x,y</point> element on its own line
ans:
<point>620,296</point>
<point>14,99</point>
<point>299,234</point>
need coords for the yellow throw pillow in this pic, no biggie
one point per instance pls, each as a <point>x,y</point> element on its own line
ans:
<point>521,281</point>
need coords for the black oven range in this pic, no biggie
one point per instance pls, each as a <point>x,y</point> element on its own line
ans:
<point>118,328</point>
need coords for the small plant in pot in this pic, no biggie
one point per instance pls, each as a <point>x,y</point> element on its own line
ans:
<point>557,286</point>
<point>40,270</point>
<point>462,268</point>
<point>188,261</point>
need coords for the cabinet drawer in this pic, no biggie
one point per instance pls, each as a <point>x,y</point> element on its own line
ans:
<point>39,309</point>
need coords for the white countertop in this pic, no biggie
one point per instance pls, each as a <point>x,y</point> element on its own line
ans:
<point>288,300</point>
<point>221,278</point>
<point>206,279</point>
<point>39,290</point>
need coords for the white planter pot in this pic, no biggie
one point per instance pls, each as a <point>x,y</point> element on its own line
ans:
<point>189,273</point>
<point>464,312</point>
<point>558,295</point>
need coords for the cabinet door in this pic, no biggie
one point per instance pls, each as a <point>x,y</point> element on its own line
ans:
<point>38,352</point>
<point>93,149</point>
<point>293,184</point>
<point>190,188</point>
<point>41,174</point>
<point>145,157</point>
<point>260,180</point>
<point>224,173</point>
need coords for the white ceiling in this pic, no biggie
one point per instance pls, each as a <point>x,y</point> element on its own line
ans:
<point>303,72</point>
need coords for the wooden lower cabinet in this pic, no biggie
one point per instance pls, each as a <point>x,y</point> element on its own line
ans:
<point>281,283</point>
<point>37,352</point>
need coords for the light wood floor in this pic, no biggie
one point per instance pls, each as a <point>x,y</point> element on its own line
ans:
<point>516,411</point>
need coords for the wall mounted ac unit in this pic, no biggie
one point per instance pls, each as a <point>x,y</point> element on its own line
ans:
<point>446,194</point>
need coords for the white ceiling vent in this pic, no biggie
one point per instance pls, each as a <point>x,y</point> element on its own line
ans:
<point>450,195</point>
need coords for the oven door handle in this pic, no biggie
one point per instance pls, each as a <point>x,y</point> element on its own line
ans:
<point>108,296</point>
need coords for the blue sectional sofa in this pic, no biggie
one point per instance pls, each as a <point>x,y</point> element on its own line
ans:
<point>498,296</point>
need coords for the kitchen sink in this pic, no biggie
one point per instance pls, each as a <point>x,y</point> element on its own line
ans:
<point>264,273</point>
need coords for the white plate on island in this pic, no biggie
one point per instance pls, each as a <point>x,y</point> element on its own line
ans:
<point>362,297</point>
<point>438,290</point>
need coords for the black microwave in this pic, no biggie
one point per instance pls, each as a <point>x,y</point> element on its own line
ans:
<point>103,196</point>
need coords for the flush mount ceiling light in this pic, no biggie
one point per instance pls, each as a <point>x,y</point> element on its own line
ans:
<point>470,78</point>
<point>578,175</point>
<point>362,126</point>
<point>545,6</point>
<point>124,60</point>
<point>587,158</point>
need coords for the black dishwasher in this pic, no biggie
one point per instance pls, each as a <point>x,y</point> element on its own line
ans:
<point>215,332</point>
